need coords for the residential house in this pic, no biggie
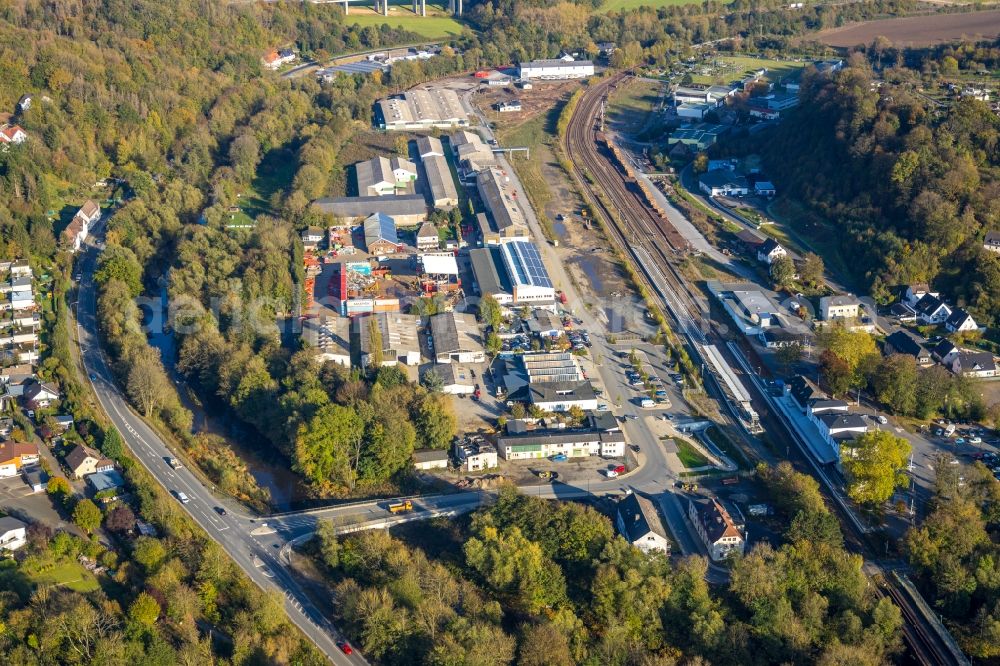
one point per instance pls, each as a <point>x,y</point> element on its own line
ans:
<point>842,306</point>
<point>24,103</point>
<point>427,237</point>
<point>397,334</point>
<point>723,183</point>
<point>475,455</point>
<point>769,251</point>
<point>903,313</point>
<point>79,227</point>
<point>39,396</point>
<point>945,352</point>
<point>109,481</point>
<point>276,58</point>
<point>16,455</point>
<point>750,240</point>
<point>960,321</point>
<point>425,459</point>
<point>974,364</point>
<point>83,460</point>
<point>570,443</point>
<point>992,241</point>
<point>380,234</point>
<point>914,292</point>
<point>13,533</point>
<point>931,310</point>
<point>62,422</point>
<point>13,134</point>
<point>312,237</point>
<point>715,527</point>
<point>904,342</point>
<point>640,524</point>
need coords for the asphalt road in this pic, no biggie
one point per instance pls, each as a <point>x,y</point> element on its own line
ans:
<point>258,559</point>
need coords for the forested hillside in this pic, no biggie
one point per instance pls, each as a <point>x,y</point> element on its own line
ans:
<point>910,189</point>
<point>530,581</point>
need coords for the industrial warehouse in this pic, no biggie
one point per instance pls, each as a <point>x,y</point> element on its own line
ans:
<point>500,199</point>
<point>438,108</point>
<point>513,274</point>
<point>557,69</point>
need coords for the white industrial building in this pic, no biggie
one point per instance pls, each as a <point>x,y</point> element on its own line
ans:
<point>570,443</point>
<point>422,109</point>
<point>513,273</point>
<point>398,333</point>
<point>555,69</point>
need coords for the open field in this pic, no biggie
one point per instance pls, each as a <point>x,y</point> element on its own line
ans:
<point>630,106</point>
<point>624,5</point>
<point>67,574</point>
<point>438,23</point>
<point>725,69</point>
<point>917,30</point>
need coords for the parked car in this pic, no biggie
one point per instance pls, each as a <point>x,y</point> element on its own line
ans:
<point>881,419</point>
<point>559,457</point>
<point>976,440</point>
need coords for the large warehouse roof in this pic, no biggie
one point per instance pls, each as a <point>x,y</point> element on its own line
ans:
<point>524,264</point>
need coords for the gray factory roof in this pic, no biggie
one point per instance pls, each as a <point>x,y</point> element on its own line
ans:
<point>455,332</point>
<point>499,196</point>
<point>487,265</point>
<point>439,179</point>
<point>429,145</point>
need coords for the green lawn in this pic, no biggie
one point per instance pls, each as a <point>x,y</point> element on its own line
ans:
<point>690,456</point>
<point>630,106</point>
<point>620,5</point>
<point>71,575</point>
<point>435,25</point>
<point>727,68</point>
<point>275,172</point>
<point>538,133</point>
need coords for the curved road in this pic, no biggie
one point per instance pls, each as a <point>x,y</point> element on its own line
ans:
<point>259,545</point>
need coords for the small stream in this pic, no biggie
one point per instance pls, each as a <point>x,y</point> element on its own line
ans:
<point>287,490</point>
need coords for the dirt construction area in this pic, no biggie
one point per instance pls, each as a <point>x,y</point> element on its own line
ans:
<point>584,251</point>
<point>917,30</point>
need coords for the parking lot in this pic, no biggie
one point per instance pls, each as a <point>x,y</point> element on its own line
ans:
<point>17,500</point>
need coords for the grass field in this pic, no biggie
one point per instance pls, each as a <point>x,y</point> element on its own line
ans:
<point>68,574</point>
<point>539,133</point>
<point>630,107</point>
<point>690,456</point>
<point>437,24</point>
<point>620,5</point>
<point>728,68</point>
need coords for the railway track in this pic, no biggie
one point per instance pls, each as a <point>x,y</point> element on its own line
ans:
<point>648,237</point>
<point>637,228</point>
